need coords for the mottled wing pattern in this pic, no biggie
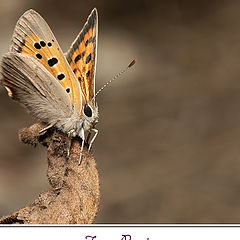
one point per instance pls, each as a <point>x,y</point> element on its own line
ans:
<point>83,54</point>
<point>32,36</point>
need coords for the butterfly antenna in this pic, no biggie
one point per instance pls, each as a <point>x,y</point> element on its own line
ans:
<point>115,77</point>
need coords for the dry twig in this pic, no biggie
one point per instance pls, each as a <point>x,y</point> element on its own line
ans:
<point>74,194</point>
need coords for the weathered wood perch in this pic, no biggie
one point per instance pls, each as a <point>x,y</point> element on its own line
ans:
<point>74,194</point>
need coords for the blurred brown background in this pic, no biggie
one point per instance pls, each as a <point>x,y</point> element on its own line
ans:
<point>168,145</point>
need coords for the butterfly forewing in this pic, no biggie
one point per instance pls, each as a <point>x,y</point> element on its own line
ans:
<point>82,56</point>
<point>33,36</point>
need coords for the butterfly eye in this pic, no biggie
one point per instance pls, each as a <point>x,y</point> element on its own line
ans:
<point>68,90</point>
<point>87,111</point>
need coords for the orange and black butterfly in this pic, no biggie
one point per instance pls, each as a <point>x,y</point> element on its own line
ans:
<point>58,90</point>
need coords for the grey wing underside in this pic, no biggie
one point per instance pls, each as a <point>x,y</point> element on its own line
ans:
<point>28,82</point>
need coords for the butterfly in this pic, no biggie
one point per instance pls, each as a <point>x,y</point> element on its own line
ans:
<point>57,89</point>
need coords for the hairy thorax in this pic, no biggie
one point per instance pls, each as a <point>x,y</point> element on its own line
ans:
<point>77,126</point>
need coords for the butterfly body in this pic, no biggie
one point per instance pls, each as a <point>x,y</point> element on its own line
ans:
<point>58,90</point>
<point>74,124</point>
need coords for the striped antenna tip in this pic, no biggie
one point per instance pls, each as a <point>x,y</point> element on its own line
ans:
<point>132,63</point>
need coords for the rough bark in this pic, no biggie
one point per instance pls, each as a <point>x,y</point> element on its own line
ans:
<point>74,194</point>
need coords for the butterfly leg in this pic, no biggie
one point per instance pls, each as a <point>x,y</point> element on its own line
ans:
<point>82,145</point>
<point>88,137</point>
<point>69,147</point>
<point>69,143</point>
<point>46,128</point>
<point>93,138</point>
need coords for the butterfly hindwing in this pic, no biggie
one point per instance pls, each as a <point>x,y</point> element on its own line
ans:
<point>82,56</point>
<point>34,87</point>
<point>32,36</point>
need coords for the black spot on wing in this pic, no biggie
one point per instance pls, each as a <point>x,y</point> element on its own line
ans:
<point>42,43</point>
<point>37,46</point>
<point>60,76</point>
<point>52,61</point>
<point>88,58</point>
<point>88,73</point>
<point>39,56</point>
<point>90,40</point>
<point>83,53</point>
<point>79,79</point>
<point>77,58</point>
<point>74,70</point>
<point>68,90</point>
<point>49,44</point>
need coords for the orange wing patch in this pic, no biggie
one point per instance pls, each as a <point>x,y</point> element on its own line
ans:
<point>48,54</point>
<point>82,56</point>
<point>32,36</point>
